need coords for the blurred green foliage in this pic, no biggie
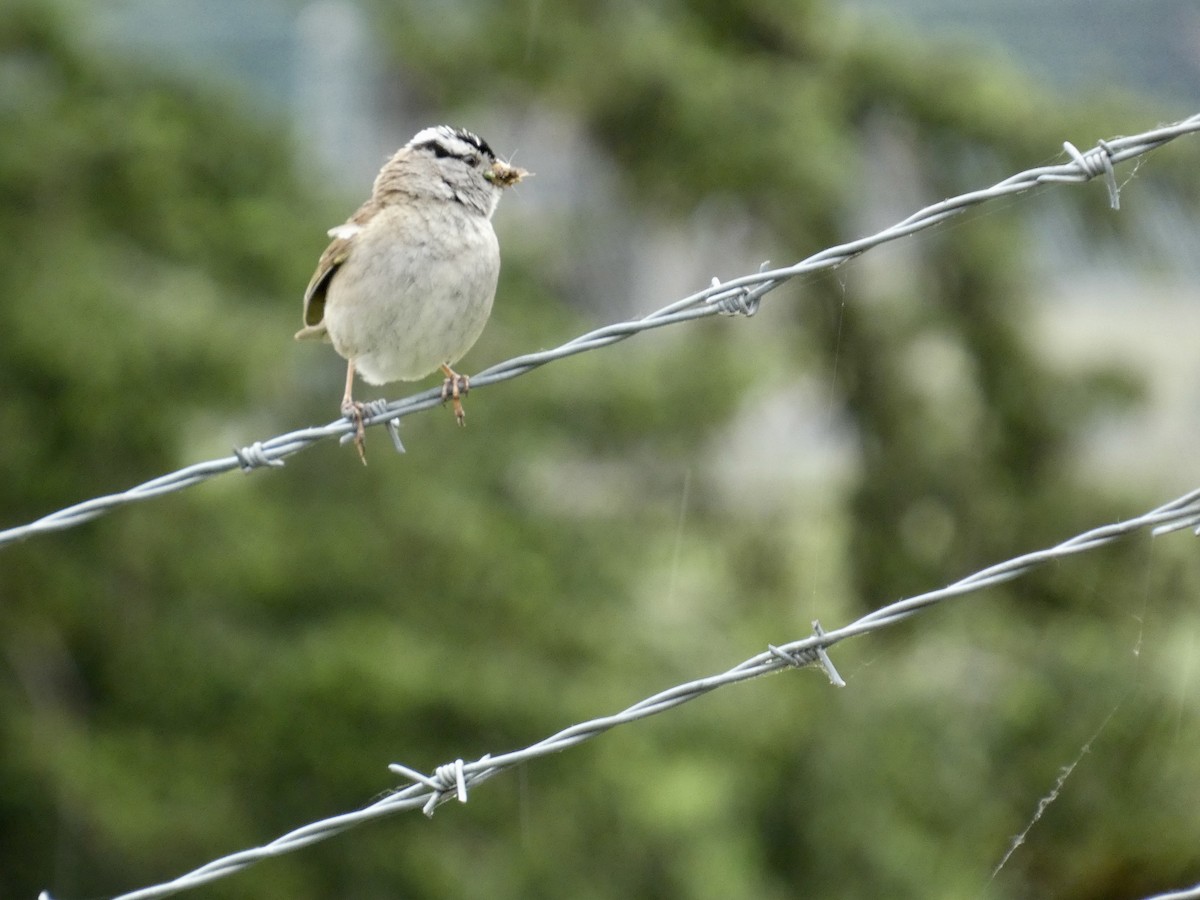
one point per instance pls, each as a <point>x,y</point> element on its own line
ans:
<point>202,672</point>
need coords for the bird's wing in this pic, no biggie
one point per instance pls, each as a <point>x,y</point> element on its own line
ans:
<point>335,254</point>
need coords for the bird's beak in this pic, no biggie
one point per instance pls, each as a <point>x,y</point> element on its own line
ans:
<point>502,175</point>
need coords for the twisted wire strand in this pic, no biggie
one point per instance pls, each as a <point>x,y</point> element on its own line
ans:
<point>736,296</point>
<point>452,780</point>
<point>1192,893</point>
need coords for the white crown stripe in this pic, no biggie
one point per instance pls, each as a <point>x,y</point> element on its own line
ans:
<point>455,141</point>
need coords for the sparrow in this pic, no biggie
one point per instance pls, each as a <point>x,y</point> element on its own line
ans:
<point>406,285</point>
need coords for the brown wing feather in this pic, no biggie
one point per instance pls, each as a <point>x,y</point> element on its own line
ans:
<point>335,254</point>
<point>314,296</point>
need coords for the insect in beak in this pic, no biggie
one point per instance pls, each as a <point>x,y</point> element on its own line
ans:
<point>503,175</point>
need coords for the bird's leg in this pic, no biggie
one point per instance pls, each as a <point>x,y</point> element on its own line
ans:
<point>353,410</point>
<point>454,388</point>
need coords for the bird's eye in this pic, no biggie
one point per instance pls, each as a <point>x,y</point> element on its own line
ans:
<point>472,160</point>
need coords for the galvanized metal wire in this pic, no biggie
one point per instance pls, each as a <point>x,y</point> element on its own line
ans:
<point>453,780</point>
<point>1192,893</point>
<point>737,296</point>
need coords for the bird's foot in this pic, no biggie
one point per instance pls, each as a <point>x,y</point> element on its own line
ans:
<point>454,388</point>
<point>353,410</point>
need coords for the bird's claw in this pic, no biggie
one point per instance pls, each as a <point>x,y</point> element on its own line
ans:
<point>353,410</point>
<point>454,388</point>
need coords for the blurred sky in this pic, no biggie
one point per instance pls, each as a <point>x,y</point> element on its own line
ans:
<point>1151,46</point>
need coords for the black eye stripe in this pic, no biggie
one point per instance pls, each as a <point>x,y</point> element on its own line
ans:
<point>438,148</point>
<point>437,145</point>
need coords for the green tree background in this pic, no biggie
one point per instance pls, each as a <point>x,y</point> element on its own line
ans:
<point>200,673</point>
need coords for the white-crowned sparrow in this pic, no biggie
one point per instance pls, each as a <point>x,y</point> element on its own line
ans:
<point>407,283</point>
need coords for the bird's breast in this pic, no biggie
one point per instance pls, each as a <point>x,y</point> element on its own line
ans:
<point>414,292</point>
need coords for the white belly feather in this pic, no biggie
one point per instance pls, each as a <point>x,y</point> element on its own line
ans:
<point>402,304</point>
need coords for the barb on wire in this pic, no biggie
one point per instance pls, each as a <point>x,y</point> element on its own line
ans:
<point>427,792</point>
<point>739,295</point>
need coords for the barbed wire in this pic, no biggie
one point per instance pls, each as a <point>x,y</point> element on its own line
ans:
<point>1192,893</point>
<point>452,780</point>
<point>737,296</point>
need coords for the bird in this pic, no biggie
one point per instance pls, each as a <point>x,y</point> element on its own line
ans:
<point>407,283</point>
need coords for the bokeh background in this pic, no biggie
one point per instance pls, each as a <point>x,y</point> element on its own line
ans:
<point>197,674</point>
